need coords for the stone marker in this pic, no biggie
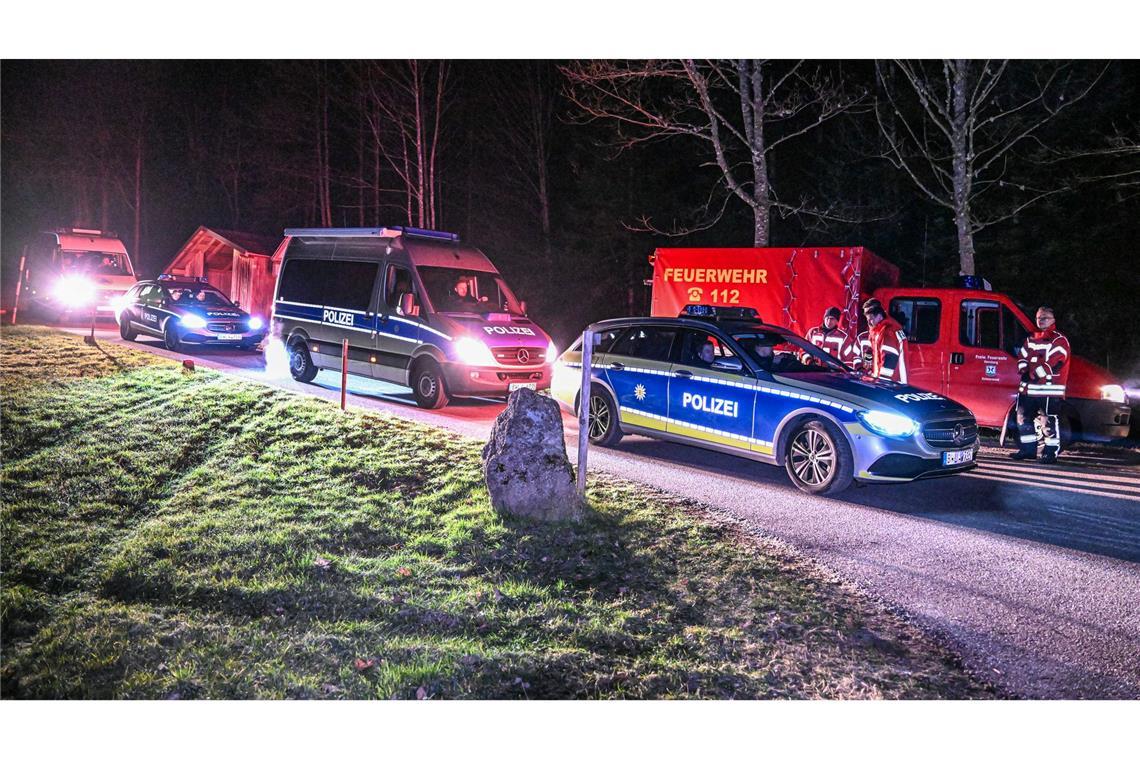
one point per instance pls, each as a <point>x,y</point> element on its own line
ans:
<point>525,464</point>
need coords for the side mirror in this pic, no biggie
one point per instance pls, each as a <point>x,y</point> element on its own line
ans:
<point>728,364</point>
<point>407,304</point>
<point>522,307</point>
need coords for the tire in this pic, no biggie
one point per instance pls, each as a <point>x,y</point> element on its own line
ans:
<point>605,425</point>
<point>125,331</point>
<point>818,458</point>
<point>428,386</point>
<point>170,337</point>
<point>301,365</point>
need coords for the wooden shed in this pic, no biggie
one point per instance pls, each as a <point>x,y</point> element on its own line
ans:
<point>239,264</point>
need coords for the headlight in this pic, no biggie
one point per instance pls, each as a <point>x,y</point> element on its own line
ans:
<point>118,303</point>
<point>255,323</point>
<point>74,291</point>
<point>1114,393</point>
<point>192,321</point>
<point>471,351</point>
<point>551,351</point>
<point>889,424</point>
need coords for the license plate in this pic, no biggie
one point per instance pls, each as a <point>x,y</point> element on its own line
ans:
<point>223,336</point>
<point>517,386</point>
<point>951,458</point>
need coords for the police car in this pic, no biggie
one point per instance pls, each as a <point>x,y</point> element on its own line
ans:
<point>185,310</point>
<point>722,379</point>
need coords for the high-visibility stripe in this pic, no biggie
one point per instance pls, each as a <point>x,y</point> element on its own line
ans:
<point>1056,349</point>
<point>1040,371</point>
<point>710,433</point>
<point>1029,438</point>
<point>892,349</point>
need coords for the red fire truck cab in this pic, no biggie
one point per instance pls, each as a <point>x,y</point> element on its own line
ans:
<point>960,342</point>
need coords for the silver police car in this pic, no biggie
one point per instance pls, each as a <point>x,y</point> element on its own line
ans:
<point>721,379</point>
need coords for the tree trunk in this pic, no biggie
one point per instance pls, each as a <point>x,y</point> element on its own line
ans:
<point>138,192</point>
<point>962,168</point>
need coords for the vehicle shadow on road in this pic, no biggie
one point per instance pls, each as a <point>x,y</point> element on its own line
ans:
<point>1089,523</point>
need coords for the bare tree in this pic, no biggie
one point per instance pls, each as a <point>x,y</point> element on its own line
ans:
<point>741,110</point>
<point>408,102</point>
<point>521,130</point>
<point>962,131</point>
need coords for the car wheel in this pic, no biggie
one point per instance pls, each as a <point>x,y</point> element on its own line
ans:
<point>301,365</point>
<point>125,331</point>
<point>427,386</point>
<point>818,458</point>
<point>170,336</point>
<point>605,427</point>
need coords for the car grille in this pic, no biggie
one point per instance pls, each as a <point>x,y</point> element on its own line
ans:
<point>951,434</point>
<point>226,327</point>
<point>519,356</point>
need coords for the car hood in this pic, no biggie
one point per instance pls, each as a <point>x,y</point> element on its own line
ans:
<point>916,403</point>
<point>208,312</point>
<point>494,329</point>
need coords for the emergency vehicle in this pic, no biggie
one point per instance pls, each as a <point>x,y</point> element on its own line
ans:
<point>721,379</point>
<point>71,271</point>
<point>187,310</point>
<point>418,308</point>
<point>960,341</point>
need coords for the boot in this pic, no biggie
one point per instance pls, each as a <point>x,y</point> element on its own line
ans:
<point>1024,454</point>
<point>1049,455</point>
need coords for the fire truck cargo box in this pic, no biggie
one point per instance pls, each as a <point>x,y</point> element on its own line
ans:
<point>790,287</point>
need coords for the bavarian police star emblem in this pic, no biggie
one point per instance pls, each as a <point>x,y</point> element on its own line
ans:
<point>639,392</point>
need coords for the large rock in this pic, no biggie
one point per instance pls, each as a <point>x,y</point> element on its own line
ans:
<point>525,464</point>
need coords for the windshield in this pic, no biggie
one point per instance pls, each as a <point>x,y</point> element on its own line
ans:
<point>93,262</point>
<point>196,295</point>
<point>780,353</point>
<point>466,290</point>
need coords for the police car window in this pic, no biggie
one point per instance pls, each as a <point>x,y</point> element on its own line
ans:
<point>701,349</point>
<point>302,281</point>
<point>202,296</point>
<point>349,284</point>
<point>979,324</point>
<point>779,353</point>
<point>397,281</point>
<point>606,340</point>
<point>467,291</point>
<point>649,343</point>
<point>919,317</point>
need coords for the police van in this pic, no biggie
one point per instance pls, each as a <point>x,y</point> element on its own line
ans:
<point>719,378</point>
<point>418,308</point>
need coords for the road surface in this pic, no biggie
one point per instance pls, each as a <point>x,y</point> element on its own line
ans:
<point>1029,572</point>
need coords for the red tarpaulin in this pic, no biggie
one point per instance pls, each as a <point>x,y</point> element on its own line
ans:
<point>790,287</point>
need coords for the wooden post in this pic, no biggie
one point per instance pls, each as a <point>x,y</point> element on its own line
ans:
<point>19,283</point>
<point>343,371</point>
<point>584,408</point>
<point>90,339</point>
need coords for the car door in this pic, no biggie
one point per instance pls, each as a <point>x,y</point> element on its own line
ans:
<point>150,310</point>
<point>128,313</point>
<point>398,333</point>
<point>707,403</point>
<point>927,362</point>
<point>983,370</point>
<point>638,367</point>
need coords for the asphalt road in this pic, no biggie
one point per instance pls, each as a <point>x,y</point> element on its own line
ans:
<point>1029,572</point>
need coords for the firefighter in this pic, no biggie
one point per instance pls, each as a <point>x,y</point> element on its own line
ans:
<point>831,339</point>
<point>1043,361</point>
<point>888,344</point>
<point>863,358</point>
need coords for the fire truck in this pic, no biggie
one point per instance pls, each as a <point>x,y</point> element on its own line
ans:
<point>960,341</point>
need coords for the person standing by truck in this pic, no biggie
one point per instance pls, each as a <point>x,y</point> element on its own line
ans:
<point>831,339</point>
<point>888,344</point>
<point>1043,361</point>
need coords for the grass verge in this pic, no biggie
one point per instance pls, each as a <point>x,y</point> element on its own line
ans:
<point>186,535</point>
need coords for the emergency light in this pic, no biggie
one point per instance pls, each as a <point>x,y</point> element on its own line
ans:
<point>708,311</point>
<point>450,237</point>
<point>180,278</point>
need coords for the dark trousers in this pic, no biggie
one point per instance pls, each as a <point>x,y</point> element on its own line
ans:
<point>1028,409</point>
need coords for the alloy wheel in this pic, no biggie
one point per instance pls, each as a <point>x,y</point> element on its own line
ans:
<point>813,457</point>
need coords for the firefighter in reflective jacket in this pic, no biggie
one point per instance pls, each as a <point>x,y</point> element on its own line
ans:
<point>863,357</point>
<point>831,339</point>
<point>888,344</point>
<point>1043,361</point>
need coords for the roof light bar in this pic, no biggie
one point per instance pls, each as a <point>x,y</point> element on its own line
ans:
<point>341,231</point>
<point>433,234</point>
<point>708,311</point>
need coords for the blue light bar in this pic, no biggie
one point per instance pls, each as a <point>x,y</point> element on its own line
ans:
<point>180,278</point>
<point>340,231</point>
<point>708,311</point>
<point>433,234</point>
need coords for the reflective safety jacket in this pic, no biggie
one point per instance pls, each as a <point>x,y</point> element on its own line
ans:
<point>1043,361</point>
<point>863,357</point>
<point>835,342</point>
<point>888,351</point>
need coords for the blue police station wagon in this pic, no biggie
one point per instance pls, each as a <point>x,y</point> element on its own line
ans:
<point>721,379</point>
